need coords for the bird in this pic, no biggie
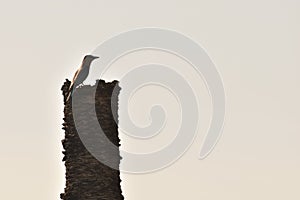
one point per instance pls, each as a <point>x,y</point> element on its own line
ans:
<point>82,73</point>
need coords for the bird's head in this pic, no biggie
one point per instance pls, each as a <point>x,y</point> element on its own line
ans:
<point>89,58</point>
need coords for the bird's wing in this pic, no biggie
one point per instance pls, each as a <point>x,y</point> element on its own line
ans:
<point>80,77</point>
<point>75,76</point>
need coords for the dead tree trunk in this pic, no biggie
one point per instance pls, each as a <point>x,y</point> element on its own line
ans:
<point>86,177</point>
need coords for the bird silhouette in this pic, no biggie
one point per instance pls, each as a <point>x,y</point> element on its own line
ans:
<point>81,74</point>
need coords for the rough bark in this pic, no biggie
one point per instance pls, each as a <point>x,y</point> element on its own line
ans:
<point>86,177</point>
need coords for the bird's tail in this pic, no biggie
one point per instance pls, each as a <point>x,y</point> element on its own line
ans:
<point>70,92</point>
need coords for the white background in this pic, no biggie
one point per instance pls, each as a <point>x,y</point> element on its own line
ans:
<point>255,45</point>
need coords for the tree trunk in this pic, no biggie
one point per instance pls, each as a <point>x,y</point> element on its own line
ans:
<point>86,177</point>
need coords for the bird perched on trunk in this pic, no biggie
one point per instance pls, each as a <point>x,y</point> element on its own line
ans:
<point>81,74</point>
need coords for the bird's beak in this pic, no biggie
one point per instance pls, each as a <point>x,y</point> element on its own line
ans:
<point>95,57</point>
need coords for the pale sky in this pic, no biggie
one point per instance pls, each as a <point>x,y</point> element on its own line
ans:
<point>255,46</point>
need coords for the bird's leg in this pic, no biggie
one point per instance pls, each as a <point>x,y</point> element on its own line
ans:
<point>81,85</point>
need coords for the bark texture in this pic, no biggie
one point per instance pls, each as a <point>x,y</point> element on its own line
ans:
<point>86,177</point>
